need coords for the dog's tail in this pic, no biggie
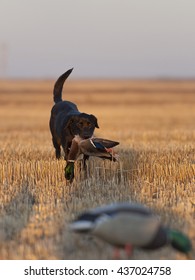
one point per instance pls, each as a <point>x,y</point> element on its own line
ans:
<point>57,91</point>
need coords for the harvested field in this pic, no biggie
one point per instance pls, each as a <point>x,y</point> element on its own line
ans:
<point>154,121</point>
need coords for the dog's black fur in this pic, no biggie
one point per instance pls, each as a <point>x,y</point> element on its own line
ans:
<point>66,121</point>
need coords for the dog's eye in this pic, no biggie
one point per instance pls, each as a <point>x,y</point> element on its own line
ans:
<point>80,123</point>
<point>89,124</point>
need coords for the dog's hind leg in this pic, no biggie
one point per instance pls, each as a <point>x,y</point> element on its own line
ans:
<point>57,148</point>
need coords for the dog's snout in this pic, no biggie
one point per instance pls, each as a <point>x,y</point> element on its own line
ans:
<point>86,135</point>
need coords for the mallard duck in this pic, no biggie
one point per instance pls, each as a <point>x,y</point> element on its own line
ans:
<point>94,146</point>
<point>130,225</point>
<point>97,147</point>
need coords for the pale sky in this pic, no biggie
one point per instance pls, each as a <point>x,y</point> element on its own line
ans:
<point>99,38</point>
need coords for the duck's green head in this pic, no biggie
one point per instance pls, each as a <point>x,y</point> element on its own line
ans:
<point>180,241</point>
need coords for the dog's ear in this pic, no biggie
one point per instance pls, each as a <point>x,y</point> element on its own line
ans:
<point>93,119</point>
<point>68,122</point>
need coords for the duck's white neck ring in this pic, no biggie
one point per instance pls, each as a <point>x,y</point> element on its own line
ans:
<point>92,142</point>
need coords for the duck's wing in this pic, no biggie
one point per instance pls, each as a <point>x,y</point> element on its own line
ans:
<point>103,149</point>
<point>105,142</point>
<point>91,147</point>
<point>98,145</point>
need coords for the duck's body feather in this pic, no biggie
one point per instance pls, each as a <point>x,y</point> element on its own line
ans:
<point>97,147</point>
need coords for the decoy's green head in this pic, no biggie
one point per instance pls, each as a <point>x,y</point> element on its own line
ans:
<point>180,241</point>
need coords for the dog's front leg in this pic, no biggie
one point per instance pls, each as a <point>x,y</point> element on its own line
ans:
<point>57,148</point>
<point>85,158</point>
<point>66,147</point>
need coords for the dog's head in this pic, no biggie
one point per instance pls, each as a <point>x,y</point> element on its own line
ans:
<point>82,124</point>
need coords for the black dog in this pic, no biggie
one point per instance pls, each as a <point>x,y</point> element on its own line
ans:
<point>66,121</point>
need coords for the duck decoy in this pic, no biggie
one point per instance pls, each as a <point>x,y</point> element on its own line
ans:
<point>130,225</point>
